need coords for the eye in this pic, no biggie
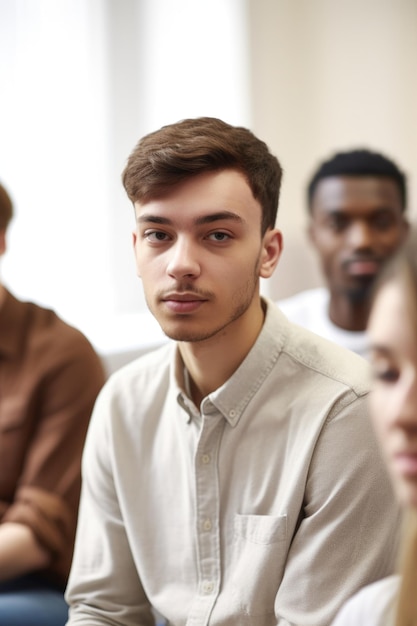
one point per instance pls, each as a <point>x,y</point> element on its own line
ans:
<point>155,236</point>
<point>386,375</point>
<point>219,236</point>
<point>383,221</point>
<point>338,222</point>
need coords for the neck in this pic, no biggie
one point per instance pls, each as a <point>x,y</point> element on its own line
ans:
<point>211,362</point>
<point>2,294</point>
<point>348,314</point>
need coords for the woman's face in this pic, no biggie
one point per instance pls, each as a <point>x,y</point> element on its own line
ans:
<point>393,400</point>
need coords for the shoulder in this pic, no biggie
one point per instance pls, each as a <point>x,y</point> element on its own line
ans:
<point>47,328</point>
<point>313,357</point>
<point>148,372</point>
<point>136,393</point>
<point>371,606</point>
<point>54,345</point>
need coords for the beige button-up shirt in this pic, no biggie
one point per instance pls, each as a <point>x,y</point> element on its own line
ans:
<point>268,504</point>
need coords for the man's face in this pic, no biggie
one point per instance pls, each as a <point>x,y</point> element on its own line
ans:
<point>356,225</point>
<point>200,253</point>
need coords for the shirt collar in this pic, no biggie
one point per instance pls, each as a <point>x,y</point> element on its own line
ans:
<point>233,397</point>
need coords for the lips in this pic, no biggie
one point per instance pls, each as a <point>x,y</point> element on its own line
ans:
<point>362,267</point>
<point>183,302</point>
<point>405,464</point>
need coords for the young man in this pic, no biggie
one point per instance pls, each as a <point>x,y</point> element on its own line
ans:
<point>356,203</point>
<point>49,379</point>
<point>230,477</point>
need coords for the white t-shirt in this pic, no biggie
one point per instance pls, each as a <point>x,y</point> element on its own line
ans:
<point>371,606</point>
<point>310,309</point>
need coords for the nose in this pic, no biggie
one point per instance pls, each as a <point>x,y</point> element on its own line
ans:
<point>405,410</point>
<point>183,261</point>
<point>360,236</point>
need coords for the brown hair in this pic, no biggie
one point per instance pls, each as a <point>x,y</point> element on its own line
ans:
<point>176,152</point>
<point>6,208</point>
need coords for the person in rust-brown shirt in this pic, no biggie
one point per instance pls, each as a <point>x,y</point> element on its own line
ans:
<point>50,376</point>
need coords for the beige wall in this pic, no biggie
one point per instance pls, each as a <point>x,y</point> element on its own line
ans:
<point>329,75</point>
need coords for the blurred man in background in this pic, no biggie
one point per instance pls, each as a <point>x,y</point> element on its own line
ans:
<point>357,204</point>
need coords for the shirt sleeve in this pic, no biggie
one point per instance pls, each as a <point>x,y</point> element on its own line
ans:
<point>48,491</point>
<point>348,530</point>
<point>104,585</point>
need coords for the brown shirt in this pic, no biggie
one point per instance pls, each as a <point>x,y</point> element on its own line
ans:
<point>50,376</point>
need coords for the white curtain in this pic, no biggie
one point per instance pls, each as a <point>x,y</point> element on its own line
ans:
<point>81,81</point>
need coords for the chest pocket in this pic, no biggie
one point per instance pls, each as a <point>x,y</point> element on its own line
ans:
<point>259,555</point>
<point>262,529</point>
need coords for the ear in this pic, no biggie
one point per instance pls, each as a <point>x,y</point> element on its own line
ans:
<point>135,251</point>
<point>272,247</point>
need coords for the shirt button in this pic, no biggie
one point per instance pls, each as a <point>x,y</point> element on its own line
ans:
<point>232,413</point>
<point>205,458</point>
<point>208,587</point>
<point>207,524</point>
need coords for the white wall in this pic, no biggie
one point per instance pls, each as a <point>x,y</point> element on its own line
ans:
<point>54,128</point>
<point>82,80</point>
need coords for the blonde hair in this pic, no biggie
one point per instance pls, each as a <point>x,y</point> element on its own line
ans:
<point>406,608</point>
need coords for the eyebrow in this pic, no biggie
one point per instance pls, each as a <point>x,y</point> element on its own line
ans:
<point>199,221</point>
